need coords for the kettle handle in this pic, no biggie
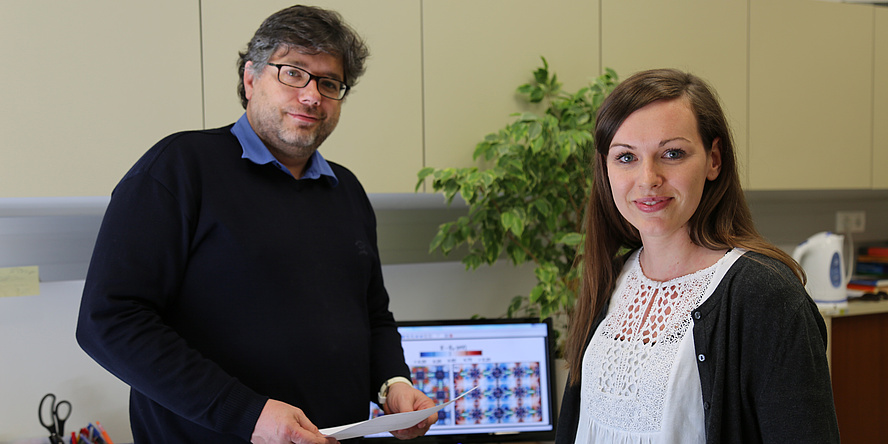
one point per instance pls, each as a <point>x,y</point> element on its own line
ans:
<point>800,251</point>
<point>849,265</point>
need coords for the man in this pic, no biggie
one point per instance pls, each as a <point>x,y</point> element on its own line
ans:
<point>235,282</point>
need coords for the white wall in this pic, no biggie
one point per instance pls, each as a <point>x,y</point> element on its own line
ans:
<point>38,355</point>
<point>445,290</point>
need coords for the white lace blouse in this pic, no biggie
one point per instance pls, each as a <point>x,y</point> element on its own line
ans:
<point>640,382</point>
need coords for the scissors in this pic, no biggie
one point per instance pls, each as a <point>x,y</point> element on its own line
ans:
<point>58,413</point>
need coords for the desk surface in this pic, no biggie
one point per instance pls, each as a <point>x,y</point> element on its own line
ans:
<point>856,308</point>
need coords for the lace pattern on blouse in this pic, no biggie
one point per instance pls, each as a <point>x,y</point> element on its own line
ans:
<point>628,363</point>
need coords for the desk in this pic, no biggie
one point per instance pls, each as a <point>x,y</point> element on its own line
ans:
<point>858,356</point>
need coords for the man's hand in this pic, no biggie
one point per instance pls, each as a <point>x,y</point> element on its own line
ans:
<point>402,398</point>
<point>281,423</point>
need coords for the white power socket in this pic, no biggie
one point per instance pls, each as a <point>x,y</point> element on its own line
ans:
<point>850,221</point>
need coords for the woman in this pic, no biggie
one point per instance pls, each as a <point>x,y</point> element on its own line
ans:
<point>703,331</point>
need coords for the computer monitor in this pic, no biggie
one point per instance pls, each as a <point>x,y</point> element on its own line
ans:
<point>509,360</point>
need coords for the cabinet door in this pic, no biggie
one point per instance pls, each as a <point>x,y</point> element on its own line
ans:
<point>379,136</point>
<point>880,102</point>
<point>810,96</point>
<point>703,37</point>
<point>477,53</point>
<point>859,356</point>
<point>89,86</point>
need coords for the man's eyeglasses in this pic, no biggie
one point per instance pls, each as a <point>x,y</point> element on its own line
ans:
<point>298,78</point>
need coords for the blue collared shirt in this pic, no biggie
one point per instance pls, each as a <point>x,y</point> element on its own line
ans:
<point>256,152</point>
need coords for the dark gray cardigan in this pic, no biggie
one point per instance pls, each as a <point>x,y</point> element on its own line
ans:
<point>761,354</point>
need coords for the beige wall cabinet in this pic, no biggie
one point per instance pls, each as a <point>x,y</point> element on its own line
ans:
<point>89,86</point>
<point>880,101</point>
<point>646,34</point>
<point>476,54</point>
<point>810,95</point>
<point>379,136</point>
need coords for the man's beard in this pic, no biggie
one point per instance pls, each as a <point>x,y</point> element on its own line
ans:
<point>296,142</point>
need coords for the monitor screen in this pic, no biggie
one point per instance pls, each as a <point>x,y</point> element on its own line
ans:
<point>509,360</point>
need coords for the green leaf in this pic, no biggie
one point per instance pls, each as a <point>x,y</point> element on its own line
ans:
<point>423,173</point>
<point>528,117</point>
<point>566,150</point>
<point>516,253</point>
<point>544,272</point>
<point>572,239</point>
<point>444,174</point>
<point>438,239</point>
<point>537,145</point>
<point>525,88</point>
<point>472,261</point>
<point>542,206</point>
<point>514,221</point>
<point>508,220</point>
<point>536,129</point>
<point>510,164</point>
<point>536,294</point>
<point>448,243</point>
<point>542,74</point>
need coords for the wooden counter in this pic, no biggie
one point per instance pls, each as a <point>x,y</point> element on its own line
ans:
<point>858,355</point>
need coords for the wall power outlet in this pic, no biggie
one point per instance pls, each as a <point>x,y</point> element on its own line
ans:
<point>850,221</point>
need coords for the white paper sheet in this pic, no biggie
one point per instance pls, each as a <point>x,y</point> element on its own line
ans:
<point>386,423</point>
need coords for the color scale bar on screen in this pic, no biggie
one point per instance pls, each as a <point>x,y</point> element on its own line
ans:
<point>439,354</point>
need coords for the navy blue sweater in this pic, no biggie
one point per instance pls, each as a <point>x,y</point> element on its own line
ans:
<point>217,283</point>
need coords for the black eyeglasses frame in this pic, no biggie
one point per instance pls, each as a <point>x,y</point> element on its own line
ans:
<point>344,88</point>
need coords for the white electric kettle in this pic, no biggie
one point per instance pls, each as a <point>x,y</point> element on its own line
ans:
<point>823,260</point>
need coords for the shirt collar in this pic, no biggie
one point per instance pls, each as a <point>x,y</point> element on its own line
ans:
<point>256,152</point>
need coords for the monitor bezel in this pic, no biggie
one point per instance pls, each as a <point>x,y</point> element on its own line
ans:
<point>520,436</point>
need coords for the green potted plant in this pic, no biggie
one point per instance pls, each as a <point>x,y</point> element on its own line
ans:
<point>527,203</point>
